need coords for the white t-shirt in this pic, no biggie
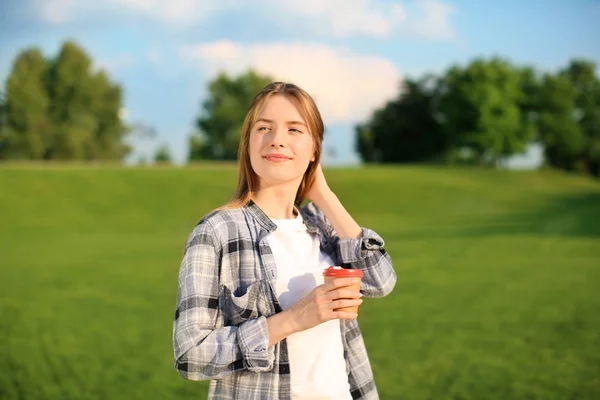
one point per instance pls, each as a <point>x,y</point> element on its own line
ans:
<point>316,355</point>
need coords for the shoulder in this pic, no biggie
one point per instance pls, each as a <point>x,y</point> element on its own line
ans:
<point>217,219</point>
<point>215,227</point>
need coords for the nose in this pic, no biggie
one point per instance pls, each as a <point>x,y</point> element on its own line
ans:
<point>278,136</point>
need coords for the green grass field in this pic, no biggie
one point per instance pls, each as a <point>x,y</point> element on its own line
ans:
<point>498,293</point>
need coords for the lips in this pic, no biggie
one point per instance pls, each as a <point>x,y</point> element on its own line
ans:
<point>276,157</point>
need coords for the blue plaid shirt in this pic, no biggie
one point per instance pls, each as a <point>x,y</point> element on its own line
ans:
<point>226,292</point>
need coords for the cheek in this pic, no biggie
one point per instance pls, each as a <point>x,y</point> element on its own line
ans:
<point>305,148</point>
<point>254,146</point>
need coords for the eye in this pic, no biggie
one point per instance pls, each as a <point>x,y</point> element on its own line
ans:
<point>262,128</point>
<point>295,130</point>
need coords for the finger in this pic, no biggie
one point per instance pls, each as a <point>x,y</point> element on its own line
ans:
<point>345,303</point>
<point>344,315</point>
<point>343,294</point>
<point>335,283</point>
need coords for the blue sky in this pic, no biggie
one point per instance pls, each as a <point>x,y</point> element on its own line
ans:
<point>349,54</point>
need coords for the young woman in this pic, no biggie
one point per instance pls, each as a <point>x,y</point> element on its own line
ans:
<point>253,313</point>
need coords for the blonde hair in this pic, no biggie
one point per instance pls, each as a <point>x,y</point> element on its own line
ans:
<point>248,181</point>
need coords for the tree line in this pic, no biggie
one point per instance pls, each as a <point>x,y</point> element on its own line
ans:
<point>488,110</point>
<point>479,113</point>
<point>60,109</point>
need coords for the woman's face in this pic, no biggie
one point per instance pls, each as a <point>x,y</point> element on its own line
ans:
<point>281,146</point>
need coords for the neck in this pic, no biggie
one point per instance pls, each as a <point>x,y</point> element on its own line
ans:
<point>277,201</point>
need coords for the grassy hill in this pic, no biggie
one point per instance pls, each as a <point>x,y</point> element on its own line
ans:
<point>497,295</point>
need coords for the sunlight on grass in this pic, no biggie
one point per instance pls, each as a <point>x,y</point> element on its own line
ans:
<point>497,294</point>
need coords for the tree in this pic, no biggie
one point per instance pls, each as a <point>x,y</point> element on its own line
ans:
<point>111,131</point>
<point>405,129</point>
<point>486,109</point>
<point>480,109</point>
<point>27,127</point>
<point>223,114</point>
<point>162,155</point>
<point>582,75</point>
<point>85,109</point>
<point>71,93</point>
<point>61,109</point>
<point>561,135</point>
<point>3,138</point>
<point>528,102</point>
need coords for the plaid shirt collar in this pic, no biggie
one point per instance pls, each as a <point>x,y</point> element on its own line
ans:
<point>263,219</point>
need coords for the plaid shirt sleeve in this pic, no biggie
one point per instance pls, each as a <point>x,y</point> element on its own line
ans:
<point>204,348</point>
<point>366,252</point>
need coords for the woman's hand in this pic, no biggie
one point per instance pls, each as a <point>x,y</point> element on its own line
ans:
<point>317,306</point>
<point>319,189</point>
<point>324,198</point>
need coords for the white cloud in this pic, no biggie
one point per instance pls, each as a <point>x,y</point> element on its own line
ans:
<point>56,11</point>
<point>434,22</point>
<point>427,19</point>
<point>174,12</point>
<point>339,18</point>
<point>346,87</point>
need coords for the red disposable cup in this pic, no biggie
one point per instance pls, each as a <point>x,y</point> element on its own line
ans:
<point>334,272</point>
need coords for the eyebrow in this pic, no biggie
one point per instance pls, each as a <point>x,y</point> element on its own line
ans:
<point>270,121</point>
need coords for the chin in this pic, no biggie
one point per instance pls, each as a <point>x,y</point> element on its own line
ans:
<point>274,177</point>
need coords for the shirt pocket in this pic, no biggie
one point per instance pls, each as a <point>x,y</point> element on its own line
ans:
<point>250,305</point>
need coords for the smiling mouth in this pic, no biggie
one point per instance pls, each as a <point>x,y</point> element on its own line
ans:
<point>276,158</point>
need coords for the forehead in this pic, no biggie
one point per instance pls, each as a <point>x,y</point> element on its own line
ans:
<point>280,108</point>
